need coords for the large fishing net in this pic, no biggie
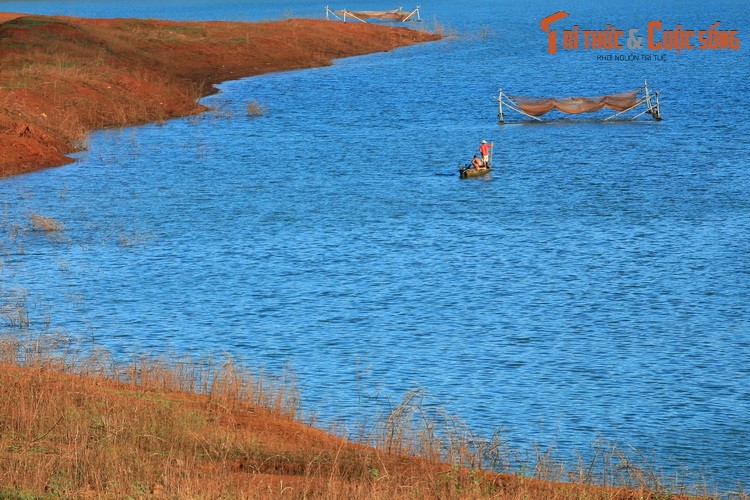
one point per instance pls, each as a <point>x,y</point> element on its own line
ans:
<point>393,15</point>
<point>537,106</point>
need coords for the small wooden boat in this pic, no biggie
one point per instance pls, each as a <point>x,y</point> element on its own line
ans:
<point>467,171</point>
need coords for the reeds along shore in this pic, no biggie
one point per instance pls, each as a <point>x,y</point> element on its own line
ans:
<point>62,77</point>
<point>77,425</point>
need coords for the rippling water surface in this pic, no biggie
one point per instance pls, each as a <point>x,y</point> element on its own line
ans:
<point>596,284</point>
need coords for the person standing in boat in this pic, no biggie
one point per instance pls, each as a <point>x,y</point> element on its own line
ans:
<point>484,149</point>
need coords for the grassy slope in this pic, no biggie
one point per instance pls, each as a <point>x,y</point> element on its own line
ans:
<point>62,77</point>
<point>63,435</point>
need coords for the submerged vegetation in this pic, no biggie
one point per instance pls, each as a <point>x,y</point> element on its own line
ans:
<point>47,224</point>
<point>255,109</point>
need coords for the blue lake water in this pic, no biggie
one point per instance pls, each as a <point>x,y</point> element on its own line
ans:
<point>597,283</point>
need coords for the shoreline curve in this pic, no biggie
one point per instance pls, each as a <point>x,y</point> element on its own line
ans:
<point>63,77</point>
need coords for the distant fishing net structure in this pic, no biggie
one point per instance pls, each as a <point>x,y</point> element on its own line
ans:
<point>537,106</point>
<point>534,107</point>
<point>362,15</point>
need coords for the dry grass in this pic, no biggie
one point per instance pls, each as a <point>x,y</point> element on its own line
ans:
<point>442,30</point>
<point>14,308</point>
<point>74,423</point>
<point>46,224</point>
<point>255,109</point>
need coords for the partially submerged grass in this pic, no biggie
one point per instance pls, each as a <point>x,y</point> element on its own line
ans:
<point>47,224</point>
<point>14,308</point>
<point>412,429</point>
<point>441,29</point>
<point>134,238</point>
<point>486,32</point>
<point>255,109</point>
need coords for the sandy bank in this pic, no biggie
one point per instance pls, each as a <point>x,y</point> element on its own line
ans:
<point>61,77</point>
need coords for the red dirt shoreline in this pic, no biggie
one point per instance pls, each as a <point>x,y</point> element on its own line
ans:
<point>62,77</point>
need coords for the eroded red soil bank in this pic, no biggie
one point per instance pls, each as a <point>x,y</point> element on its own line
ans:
<point>62,77</point>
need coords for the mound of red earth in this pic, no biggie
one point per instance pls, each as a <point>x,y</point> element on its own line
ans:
<point>61,77</point>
